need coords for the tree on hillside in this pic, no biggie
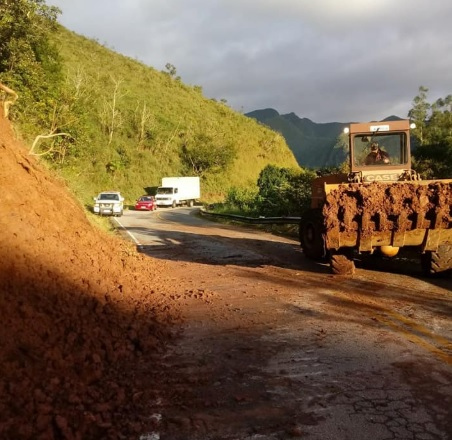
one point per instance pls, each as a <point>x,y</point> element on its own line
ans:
<point>433,156</point>
<point>28,62</point>
<point>203,154</point>
<point>171,71</point>
<point>419,113</point>
<point>31,64</point>
<point>110,115</point>
<point>144,121</point>
<point>439,129</point>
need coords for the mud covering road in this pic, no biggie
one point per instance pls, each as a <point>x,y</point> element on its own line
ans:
<point>272,346</point>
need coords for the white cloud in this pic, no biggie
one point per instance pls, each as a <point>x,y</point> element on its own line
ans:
<point>325,60</point>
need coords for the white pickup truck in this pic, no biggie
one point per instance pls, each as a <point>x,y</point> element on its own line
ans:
<point>109,203</point>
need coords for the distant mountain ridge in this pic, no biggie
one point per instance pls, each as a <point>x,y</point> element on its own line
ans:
<point>311,143</point>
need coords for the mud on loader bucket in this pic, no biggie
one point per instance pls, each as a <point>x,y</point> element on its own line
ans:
<point>393,214</point>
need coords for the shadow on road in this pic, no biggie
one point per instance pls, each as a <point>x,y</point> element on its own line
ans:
<point>221,250</point>
<point>246,251</point>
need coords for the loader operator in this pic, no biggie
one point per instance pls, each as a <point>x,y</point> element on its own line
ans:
<point>376,156</point>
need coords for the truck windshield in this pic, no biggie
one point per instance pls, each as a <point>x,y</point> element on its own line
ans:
<point>109,197</point>
<point>164,190</point>
<point>380,149</point>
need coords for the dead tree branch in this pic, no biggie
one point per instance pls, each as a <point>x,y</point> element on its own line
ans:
<point>42,136</point>
<point>8,102</point>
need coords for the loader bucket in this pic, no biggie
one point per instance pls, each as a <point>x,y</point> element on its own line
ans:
<point>409,213</point>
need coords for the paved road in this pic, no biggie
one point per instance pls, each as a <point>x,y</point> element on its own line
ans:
<point>274,347</point>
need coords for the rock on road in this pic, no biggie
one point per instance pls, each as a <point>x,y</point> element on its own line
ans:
<point>272,346</point>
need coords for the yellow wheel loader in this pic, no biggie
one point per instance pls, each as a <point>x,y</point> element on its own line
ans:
<point>380,206</point>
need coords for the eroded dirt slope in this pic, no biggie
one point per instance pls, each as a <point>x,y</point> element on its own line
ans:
<point>82,314</point>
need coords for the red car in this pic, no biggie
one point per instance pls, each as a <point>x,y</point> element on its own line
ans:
<point>145,203</point>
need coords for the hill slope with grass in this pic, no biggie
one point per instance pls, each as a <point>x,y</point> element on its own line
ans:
<point>127,125</point>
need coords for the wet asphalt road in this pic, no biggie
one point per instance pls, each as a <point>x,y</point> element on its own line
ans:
<point>274,347</point>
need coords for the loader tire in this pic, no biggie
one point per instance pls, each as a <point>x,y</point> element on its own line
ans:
<point>342,264</point>
<point>312,235</point>
<point>439,262</point>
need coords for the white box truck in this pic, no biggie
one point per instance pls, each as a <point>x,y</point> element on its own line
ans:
<point>176,191</point>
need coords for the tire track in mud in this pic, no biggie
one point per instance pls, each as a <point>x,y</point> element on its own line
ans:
<point>281,354</point>
<point>405,326</point>
<point>410,329</point>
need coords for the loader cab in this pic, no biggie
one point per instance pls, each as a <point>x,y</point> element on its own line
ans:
<point>380,151</point>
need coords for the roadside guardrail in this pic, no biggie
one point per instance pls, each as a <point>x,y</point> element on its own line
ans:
<point>254,220</point>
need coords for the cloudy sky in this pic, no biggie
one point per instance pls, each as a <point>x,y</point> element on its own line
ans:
<point>326,60</point>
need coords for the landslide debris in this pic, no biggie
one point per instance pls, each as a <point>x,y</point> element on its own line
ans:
<point>84,316</point>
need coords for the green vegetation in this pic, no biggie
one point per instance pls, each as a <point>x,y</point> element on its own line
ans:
<point>107,121</point>
<point>313,144</point>
<point>281,192</point>
<point>29,62</point>
<point>433,135</point>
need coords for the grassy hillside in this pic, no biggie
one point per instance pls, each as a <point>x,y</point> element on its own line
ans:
<point>128,124</point>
